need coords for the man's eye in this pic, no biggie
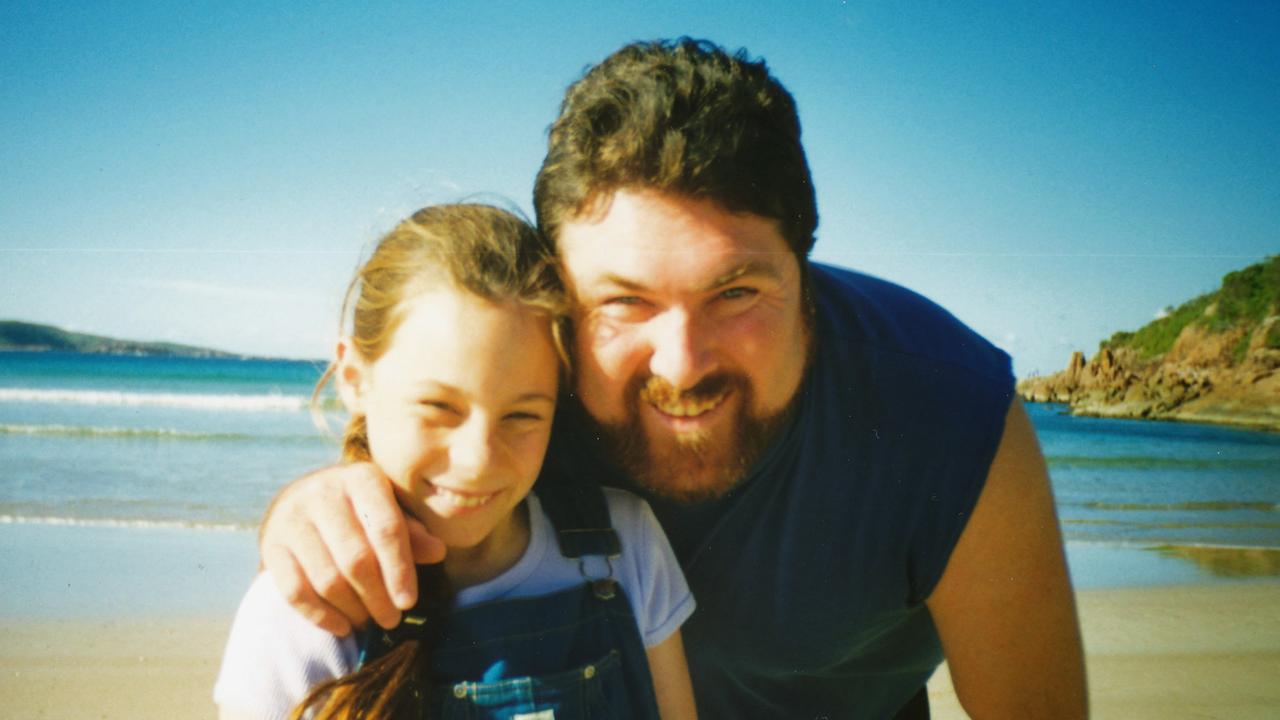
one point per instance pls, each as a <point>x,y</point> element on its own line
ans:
<point>736,293</point>
<point>627,308</point>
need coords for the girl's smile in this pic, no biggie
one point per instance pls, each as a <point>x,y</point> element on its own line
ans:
<point>462,501</point>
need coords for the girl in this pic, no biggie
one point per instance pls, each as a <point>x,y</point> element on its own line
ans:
<point>567,603</point>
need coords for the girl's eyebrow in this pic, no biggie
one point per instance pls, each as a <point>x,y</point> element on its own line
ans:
<point>429,386</point>
<point>432,387</point>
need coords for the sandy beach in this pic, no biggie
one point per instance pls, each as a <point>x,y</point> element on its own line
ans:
<point>1200,651</point>
<point>1196,651</point>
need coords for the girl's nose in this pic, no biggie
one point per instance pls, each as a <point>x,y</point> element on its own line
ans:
<point>471,449</point>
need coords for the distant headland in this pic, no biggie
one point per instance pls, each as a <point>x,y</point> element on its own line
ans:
<point>16,336</point>
<point>1213,359</point>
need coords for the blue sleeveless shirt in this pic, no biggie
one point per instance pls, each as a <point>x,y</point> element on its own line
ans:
<point>811,574</point>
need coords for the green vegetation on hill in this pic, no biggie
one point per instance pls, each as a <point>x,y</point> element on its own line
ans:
<point>16,335</point>
<point>1245,299</point>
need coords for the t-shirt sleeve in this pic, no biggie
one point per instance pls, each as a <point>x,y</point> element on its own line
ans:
<point>274,656</point>
<point>649,571</point>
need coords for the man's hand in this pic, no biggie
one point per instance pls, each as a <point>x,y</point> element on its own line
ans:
<point>340,549</point>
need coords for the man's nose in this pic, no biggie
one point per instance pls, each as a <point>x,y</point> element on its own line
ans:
<point>682,351</point>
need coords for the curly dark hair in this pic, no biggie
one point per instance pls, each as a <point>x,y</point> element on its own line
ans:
<point>683,117</point>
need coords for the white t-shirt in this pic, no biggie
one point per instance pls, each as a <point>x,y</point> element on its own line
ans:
<point>274,655</point>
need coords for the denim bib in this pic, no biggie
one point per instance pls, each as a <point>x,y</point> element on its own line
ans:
<point>566,655</point>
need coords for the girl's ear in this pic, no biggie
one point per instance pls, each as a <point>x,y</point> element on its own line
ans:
<point>351,376</point>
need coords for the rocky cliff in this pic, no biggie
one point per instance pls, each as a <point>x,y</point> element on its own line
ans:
<point>1213,359</point>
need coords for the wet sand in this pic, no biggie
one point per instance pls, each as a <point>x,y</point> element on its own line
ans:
<point>128,668</point>
<point>1200,651</point>
<point>1197,651</point>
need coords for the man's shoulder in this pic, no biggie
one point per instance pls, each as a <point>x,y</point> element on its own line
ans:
<point>863,314</point>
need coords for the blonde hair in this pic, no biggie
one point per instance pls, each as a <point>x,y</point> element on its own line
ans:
<point>486,251</point>
<point>493,255</point>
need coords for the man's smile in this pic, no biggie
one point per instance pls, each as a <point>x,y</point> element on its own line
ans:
<point>681,405</point>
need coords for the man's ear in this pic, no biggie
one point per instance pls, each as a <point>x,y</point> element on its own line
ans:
<point>351,376</point>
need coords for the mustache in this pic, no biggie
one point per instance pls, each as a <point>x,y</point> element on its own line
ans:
<point>656,390</point>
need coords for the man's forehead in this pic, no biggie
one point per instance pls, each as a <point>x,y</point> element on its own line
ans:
<point>640,234</point>
<point>631,268</point>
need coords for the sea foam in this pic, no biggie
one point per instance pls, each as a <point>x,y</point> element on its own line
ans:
<point>121,523</point>
<point>94,432</point>
<point>196,401</point>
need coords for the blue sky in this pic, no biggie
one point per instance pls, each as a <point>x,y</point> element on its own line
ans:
<point>1049,172</point>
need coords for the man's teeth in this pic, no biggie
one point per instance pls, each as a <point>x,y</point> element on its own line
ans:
<point>463,501</point>
<point>688,408</point>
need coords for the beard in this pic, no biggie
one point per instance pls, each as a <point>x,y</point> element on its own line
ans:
<point>691,467</point>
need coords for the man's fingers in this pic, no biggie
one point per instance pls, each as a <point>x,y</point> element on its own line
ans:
<point>355,562</point>
<point>374,503</point>
<point>300,565</point>
<point>327,578</point>
<point>337,540</point>
<point>291,582</point>
<point>427,548</point>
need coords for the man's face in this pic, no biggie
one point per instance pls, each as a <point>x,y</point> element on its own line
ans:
<point>690,340</point>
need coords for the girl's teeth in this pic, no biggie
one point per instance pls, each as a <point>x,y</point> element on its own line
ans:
<point>463,501</point>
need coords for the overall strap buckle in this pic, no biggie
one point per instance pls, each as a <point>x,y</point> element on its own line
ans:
<point>578,510</point>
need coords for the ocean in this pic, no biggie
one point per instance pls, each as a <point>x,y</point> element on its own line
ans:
<point>133,484</point>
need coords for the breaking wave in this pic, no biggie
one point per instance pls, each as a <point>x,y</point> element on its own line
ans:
<point>195,401</point>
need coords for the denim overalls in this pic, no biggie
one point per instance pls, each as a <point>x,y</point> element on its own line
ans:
<point>567,655</point>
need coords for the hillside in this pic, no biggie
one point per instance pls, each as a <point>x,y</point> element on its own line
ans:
<point>30,337</point>
<point>1215,358</point>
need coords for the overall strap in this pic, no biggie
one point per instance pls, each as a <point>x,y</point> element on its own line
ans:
<point>579,513</point>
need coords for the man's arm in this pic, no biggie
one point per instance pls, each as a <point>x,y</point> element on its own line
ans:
<point>1003,607</point>
<point>339,548</point>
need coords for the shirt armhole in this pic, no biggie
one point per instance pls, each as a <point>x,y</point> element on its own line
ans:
<point>965,502</point>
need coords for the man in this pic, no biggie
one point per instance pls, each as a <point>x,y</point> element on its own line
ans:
<point>840,465</point>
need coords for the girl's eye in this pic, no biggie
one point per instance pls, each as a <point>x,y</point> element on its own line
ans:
<point>436,407</point>
<point>522,423</point>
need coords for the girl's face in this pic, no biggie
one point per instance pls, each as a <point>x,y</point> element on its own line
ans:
<point>459,409</point>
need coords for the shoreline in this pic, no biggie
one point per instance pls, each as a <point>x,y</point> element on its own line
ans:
<point>1183,651</point>
<point>54,570</point>
<point>1255,422</point>
<point>136,619</point>
<point>1252,422</point>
